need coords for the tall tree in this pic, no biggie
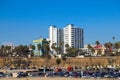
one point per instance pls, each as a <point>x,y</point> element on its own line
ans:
<point>67,45</point>
<point>113,41</point>
<point>97,43</point>
<point>53,46</point>
<point>57,49</point>
<point>46,54</point>
<point>98,50</point>
<point>113,38</point>
<point>3,51</point>
<point>117,46</point>
<point>22,50</point>
<point>32,48</point>
<point>108,47</point>
<point>61,47</point>
<point>46,49</point>
<point>39,48</point>
<point>89,47</point>
<point>8,50</point>
<point>67,48</point>
<point>74,52</point>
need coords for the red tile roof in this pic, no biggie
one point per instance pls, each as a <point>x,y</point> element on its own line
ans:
<point>97,47</point>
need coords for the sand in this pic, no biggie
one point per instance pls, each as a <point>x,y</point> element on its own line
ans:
<point>52,78</point>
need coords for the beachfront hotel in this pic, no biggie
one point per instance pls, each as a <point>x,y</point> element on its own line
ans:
<point>71,35</point>
<point>55,36</point>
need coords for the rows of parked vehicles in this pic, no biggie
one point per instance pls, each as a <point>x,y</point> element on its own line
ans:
<point>89,73</point>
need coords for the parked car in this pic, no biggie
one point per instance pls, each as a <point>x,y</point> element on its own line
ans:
<point>2,74</point>
<point>22,74</point>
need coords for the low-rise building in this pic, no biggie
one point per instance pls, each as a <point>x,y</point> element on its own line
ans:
<point>99,50</point>
<point>40,41</point>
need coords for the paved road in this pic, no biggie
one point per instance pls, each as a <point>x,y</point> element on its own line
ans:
<point>17,70</point>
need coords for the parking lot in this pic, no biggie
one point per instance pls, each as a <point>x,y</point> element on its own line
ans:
<point>88,74</point>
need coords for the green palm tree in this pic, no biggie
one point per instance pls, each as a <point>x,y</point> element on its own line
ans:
<point>22,50</point>
<point>113,41</point>
<point>57,49</point>
<point>61,47</point>
<point>74,52</point>
<point>53,46</point>
<point>113,37</point>
<point>67,45</point>
<point>39,48</point>
<point>97,43</point>
<point>46,54</point>
<point>3,51</point>
<point>117,46</point>
<point>8,49</point>
<point>25,50</point>
<point>46,49</point>
<point>67,48</point>
<point>32,47</point>
<point>89,47</point>
<point>108,47</point>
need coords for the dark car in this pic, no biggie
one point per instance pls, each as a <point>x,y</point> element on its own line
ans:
<point>22,74</point>
<point>2,74</point>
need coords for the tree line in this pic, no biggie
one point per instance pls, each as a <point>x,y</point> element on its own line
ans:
<point>111,49</point>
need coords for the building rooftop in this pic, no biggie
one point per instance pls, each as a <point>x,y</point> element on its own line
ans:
<point>38,40</point>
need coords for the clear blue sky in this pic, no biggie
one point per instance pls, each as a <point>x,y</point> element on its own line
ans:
<point>22,21</point>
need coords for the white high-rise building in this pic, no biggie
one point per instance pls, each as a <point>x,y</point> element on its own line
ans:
<point>70,35</point>
<point>55,36</point>
<point>79,38</point>
<point>73,36</point>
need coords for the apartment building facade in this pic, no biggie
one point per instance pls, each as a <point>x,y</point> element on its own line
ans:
<point>70,35</point>
<point>73,36</point>
<point>55,36</point>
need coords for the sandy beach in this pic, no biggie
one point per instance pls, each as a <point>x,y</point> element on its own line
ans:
<point>53,78</point>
